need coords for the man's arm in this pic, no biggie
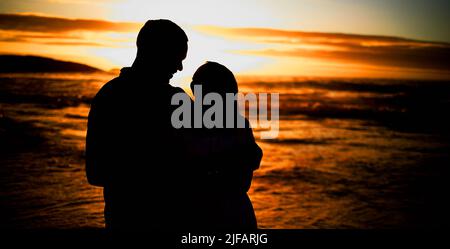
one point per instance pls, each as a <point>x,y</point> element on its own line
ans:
<point>98,137</point>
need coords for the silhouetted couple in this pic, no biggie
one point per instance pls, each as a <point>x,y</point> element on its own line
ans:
<point>153,175</point>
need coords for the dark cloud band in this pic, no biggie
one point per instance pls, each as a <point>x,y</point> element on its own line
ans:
<point>353,48</point>
<point>45,24</point>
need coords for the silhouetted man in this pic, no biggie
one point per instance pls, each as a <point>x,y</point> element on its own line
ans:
<point>132,150</point>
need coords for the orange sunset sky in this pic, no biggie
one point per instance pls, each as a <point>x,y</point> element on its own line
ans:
<point>329,38</point>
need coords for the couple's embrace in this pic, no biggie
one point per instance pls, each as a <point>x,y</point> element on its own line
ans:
<point>153,175</point>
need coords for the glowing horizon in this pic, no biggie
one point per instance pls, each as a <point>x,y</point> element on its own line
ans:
<point>260,38</point>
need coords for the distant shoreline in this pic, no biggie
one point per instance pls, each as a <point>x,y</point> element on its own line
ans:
<point>38,64</point>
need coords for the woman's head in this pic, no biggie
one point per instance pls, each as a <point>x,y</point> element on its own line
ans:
<point>214,77</point>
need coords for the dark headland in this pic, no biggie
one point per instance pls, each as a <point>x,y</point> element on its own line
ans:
<point>27,64</point>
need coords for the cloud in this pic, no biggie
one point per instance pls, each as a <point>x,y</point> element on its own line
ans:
<point>47,24</point>
<point>340,47</point>
<point>38,29</point>
<point>68,43</point>
<point>425,58</point>
<point>47,39</point>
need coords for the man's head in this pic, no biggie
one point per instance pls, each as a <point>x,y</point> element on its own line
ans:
<point>161,48</point>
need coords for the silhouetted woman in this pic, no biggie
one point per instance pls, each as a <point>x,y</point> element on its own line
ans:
<point>225,158</point>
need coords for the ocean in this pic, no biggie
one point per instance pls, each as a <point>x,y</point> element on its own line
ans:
<point>351,153</point>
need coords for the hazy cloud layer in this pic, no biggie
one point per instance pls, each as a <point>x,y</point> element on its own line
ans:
<point>46,24</point>
<point>31,28</point>
<point>366,49</point>
<point>373,50</point>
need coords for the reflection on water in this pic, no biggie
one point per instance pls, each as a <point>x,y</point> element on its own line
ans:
<point>350,153</point>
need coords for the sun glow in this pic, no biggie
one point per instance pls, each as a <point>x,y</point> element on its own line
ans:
<point>278,38</point>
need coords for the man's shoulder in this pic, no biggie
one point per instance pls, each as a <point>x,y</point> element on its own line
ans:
<point>170,91</point>
<point>106,91</point>
<point>177,90</point>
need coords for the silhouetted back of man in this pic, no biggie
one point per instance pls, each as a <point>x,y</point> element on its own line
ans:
<point>132,150</point>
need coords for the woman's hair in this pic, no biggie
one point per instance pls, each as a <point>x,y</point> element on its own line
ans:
<point>214,77</point>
